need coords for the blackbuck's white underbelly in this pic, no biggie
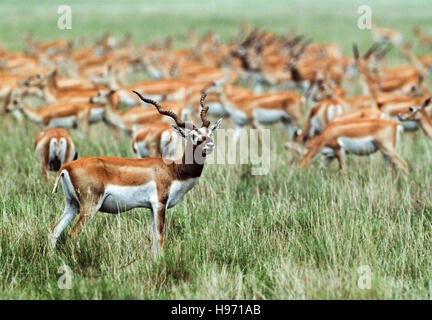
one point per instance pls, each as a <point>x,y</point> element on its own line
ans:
<point>239,117</point>
<point>127,98</point>
<point>269,116</point>
<point>358,146</point>
<point>123,198</point>
<point>64,122</point>
<point>179,189</point>
<point>407,125</point>
<point>96,115</point>
<point>217,109</point>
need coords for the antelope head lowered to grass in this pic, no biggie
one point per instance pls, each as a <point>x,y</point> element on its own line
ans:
<point>113,185</point>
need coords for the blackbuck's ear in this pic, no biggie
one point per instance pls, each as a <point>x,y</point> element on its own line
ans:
<point>214,127</point>
<point>179,131</point>
<point>425,104</point>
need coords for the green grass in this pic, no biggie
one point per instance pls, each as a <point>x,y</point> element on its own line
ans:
<point>291,234</point>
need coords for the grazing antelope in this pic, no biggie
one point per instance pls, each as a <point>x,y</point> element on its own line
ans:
<point>53,148</point>
<point>155,139</point>
<point>357,136</point>
<point>113,185</point>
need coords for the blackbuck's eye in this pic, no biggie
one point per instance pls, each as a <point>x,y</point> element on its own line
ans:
<point>411,109</point>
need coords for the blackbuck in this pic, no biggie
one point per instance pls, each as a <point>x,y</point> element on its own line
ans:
<point>64,115</point>
<point>419,117</point>
<point>258,110</point>
<point>114,185</point>
<point>358,136</point>
<point>129,121</point>
<point>155,139</point>
<point>53,148</point>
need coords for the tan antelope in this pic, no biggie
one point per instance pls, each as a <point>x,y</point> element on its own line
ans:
<point>358,136</point>
<point>172,89</point>
<point>114,185</point>
<point>53,148</point>
<point>64,115</point>
<point>129,121</point>
<point>386,34</point>
<point>256,110</point>
<point>155,139</point>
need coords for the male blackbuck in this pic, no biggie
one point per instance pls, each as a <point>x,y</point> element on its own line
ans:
<point>64,115</point>
<point>156,139</point>
<point>359,136</point>
<point>419,117</point>
<point>129,121</point>
<point>53,148</point>
<point>114,185</point>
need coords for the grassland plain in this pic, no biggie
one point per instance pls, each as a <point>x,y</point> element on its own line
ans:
<point>291,234</point>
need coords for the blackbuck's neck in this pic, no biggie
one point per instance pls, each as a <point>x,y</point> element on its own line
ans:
<point>191,165</point>
<point>426,125</point>
<point>31,114</point>
<point>113,117</point>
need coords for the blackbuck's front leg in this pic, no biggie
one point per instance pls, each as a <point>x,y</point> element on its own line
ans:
<point>158,224</point>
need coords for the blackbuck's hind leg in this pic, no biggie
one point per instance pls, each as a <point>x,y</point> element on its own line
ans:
<point>88,207</point>
<point>57,228</point>
<point>340,155</point>
<point>392,155</point>
<point>256,125</point>
<point>158,223</point>
<point>325,163</point>
<point>237,133</point>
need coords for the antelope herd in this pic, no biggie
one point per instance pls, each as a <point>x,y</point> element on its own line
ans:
<point>257,78</point>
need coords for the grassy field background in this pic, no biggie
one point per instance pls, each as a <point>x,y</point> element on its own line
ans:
<point>291,234</point>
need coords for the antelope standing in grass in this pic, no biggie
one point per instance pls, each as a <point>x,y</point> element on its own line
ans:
<point>357,136</point>
<point>129,121</point>
<point>53,148</point>
<point>155,139</point>
<point>113,185</point>
<point>419,117</point>
<point>65,115</point>
<point>257,110</point>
